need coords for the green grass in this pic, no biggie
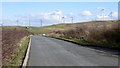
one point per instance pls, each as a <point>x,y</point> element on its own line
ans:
<point>87,43</point>
<point>41,30</point>
<point>12,27</point>
<point>75,40</point>
<point>56,27</point>
<point>17,57</point>
<point>48,29</point>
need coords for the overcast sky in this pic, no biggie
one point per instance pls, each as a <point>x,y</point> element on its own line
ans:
<point>56,12</point>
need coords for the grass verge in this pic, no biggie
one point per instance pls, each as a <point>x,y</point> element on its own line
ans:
<point>18,56</point>
<point>85,43</point>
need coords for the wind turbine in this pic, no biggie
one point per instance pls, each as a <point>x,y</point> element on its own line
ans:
<point>58,12</point>
<point>20,19</point>
<point>29,20</point>
<point>110,15</point>
<point>63,19</point>
<point>72,17</point>
<point>1,23</point>
<point>103,13</point>
<point>41,22</point>
<point>102,10</point>
<point>17,21</point>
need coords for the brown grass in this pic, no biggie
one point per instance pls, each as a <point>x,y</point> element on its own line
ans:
<point>10,38</point>
<point>106,33</point>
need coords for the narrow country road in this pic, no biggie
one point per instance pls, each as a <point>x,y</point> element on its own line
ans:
<point>53,52</point>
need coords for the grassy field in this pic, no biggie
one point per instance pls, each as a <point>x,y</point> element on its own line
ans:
<point>50,29</point>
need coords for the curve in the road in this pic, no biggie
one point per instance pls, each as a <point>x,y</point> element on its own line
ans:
<point>53,52</point>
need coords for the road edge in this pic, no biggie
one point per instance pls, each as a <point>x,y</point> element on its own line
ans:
<point>117,56</point>
<point>27,54</point>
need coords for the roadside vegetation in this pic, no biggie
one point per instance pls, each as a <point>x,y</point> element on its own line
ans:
<point>94,33</point>
<point>97,33</point>
<point>18,56</point>
<point>11,45</point>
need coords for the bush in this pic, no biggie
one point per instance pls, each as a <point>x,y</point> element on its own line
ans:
<point>101,33</point>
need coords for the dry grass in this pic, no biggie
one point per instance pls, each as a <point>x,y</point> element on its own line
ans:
<point>10,39</point>
<point>103,33</point>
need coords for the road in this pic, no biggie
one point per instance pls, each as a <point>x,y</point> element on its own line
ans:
<point>53,52</point>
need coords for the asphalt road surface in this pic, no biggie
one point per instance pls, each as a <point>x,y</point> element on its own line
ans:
<point>53,52</point>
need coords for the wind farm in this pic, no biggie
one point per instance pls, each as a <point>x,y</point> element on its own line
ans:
<point>60,34</point>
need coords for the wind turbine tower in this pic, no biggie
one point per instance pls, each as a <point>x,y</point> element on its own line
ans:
<point>63,19</point>
<point>110,15</point>
<point>103,13</point>
<point>41,22</point>
<point>17,21</point>
<point>71,19</point>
